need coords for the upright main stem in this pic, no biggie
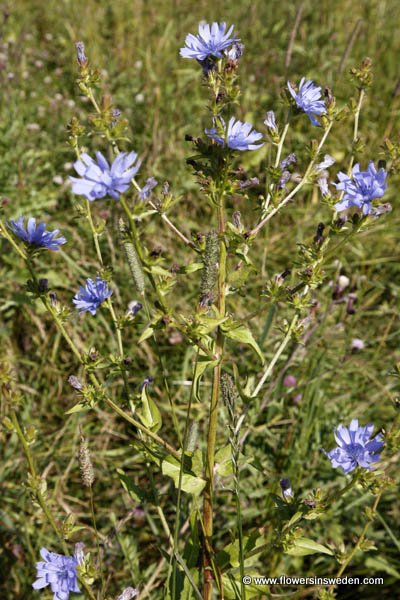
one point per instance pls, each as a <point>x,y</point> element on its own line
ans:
<point>213,416</point>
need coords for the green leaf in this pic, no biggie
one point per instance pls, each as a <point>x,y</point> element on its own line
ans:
<point>203,362</point>
<point>157,270</point>
<point>149,413</point>
<point>240,333</point>
<point>207,324</point>
<point>379,564</point>
<point>304,546</point>
<point>223,461</point>
<point>191,268</point>
<point>245,396</point>
<point>231,585</point>
<point>296,517</point>
<point>148,332</point>
<point>190,483</point>
<point>82,406</point>
<point>239,277</point>
<point>133,490</point>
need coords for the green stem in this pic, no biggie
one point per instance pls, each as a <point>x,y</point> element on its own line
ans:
<point>359,541</point>
<point>139,250</point>
<point>4,231</point>
<point>32,469</point>
<point>298,187</point>
<point>277,160</point>
<point>87,589</point>
<point>97,540</point>
<point>109,302</point>
<point>276,356</point>
<point>213,414</point>
<point>95,381</point>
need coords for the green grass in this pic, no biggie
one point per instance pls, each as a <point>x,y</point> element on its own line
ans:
<point>135,46</point>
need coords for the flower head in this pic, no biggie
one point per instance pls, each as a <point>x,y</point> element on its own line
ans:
<point>98,179</point>
<point>323,186</point>
<point>80,54</point>
<point>238,136</point>
<point>355,447</point>
<point>360,189</point>
<point>128,594</point>
<point>235,53</point>
<point>326,163</point>
<point>308,99</point>
<point>286,488</point>
<point>89,298</point>
<point>291,159</point>
<point>146,190</point>
<point>36,235</point>
<point>59,572</point>
<point>212,40</point>
<point>270,121</point>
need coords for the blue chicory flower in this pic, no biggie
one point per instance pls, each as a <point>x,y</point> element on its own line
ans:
<point>355,447</point>
<point>239,136</point>
<point>36,235</point>
<point>308,99</point>
<point>59,572</point>
<point>89,298</point>
<point>98,179</point>
<point>150,184</point>
<point>360,189</point>
<point>212,40</point>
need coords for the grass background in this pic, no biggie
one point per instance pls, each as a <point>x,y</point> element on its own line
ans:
<point>135,46</point>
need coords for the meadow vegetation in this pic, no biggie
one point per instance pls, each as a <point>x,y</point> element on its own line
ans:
<point>335,355</point>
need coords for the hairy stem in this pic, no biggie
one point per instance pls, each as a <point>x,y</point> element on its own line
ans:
<point>213,414</point>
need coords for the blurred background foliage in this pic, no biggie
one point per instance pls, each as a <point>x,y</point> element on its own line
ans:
<point>135,46</point>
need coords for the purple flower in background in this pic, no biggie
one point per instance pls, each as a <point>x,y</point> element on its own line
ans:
<point>146,382</point>
<point>36,235</point>
<point>59,572</point>
<point>134,307</point>
<point>355,447</point>
<point>98,179</point>
<point>286,488</point>
<point>270,121</point>
<point>360,189</point>
<point>239,136</point>
<point>291,159</point>
<point>326,163</point>
<point>235,52</point>
<point>89,298</point>
<point>212,40</point>
<point>308,99</point>
<point>128,594</point>
<point>323,186</point>
<point>150,184</point>
<point>80,54</point>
